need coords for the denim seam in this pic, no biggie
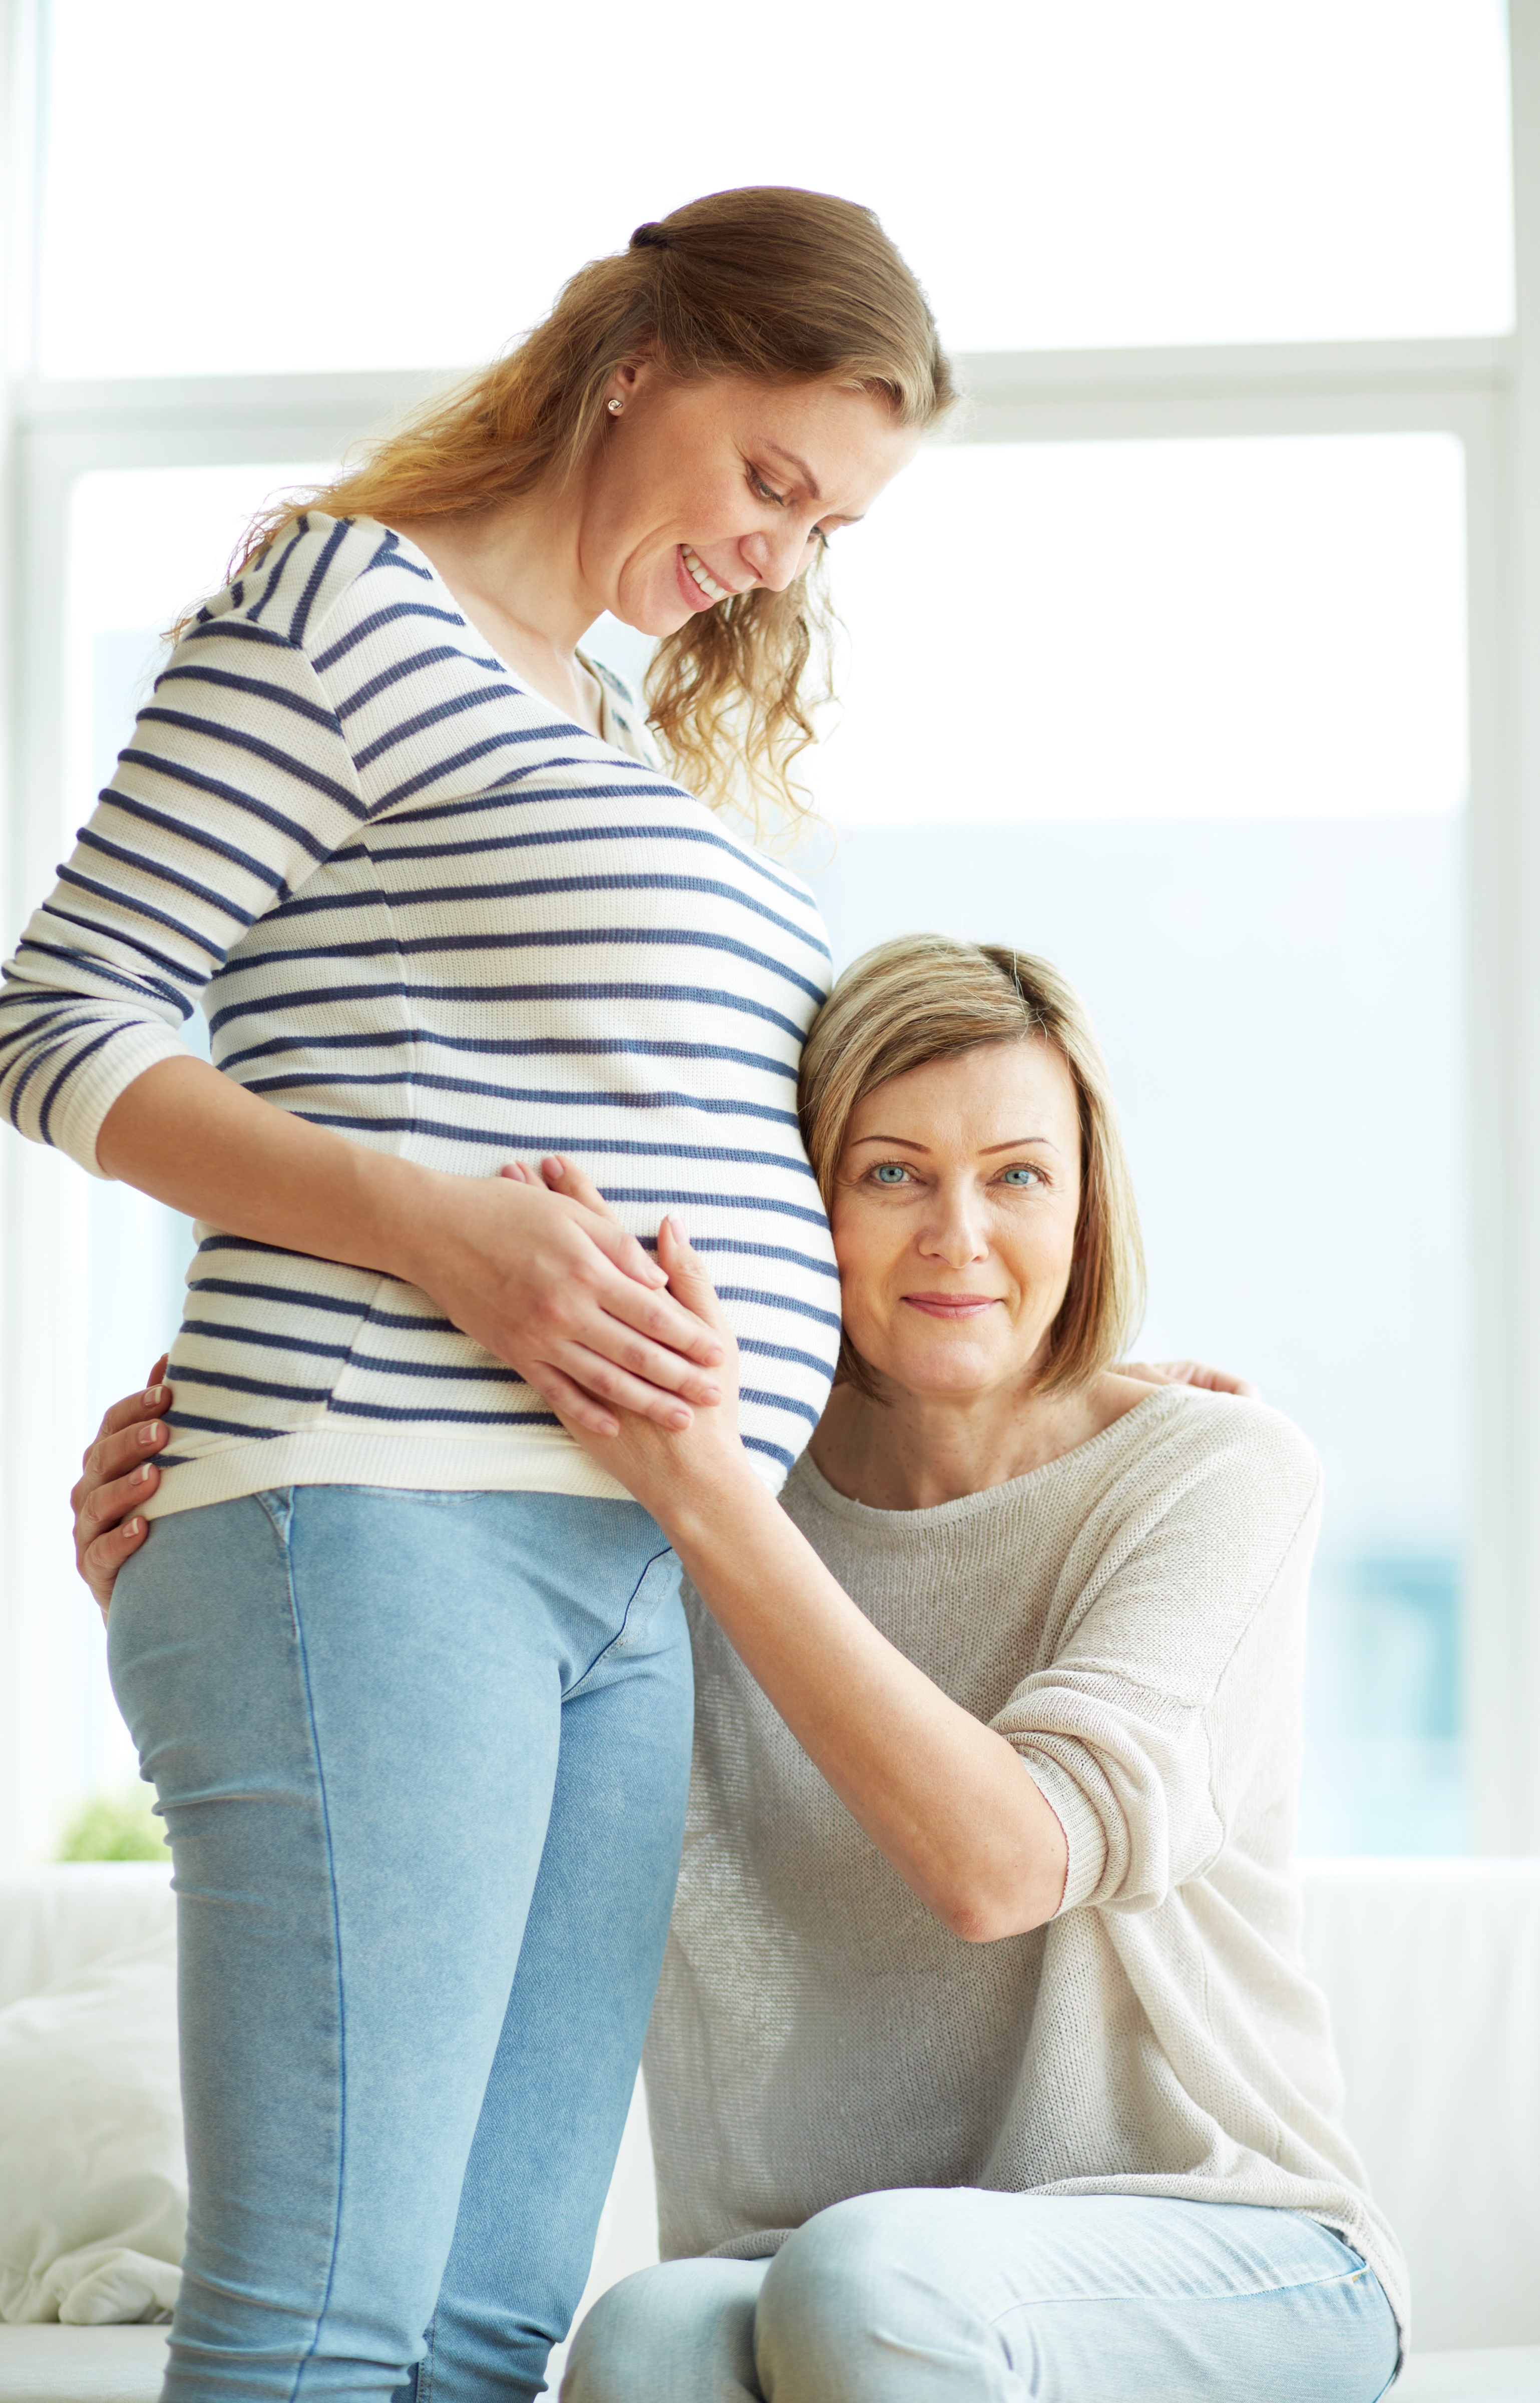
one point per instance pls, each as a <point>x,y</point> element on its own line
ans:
<point>1251,2295</point>
<point>309,2354</point>
<point>619,1635</point>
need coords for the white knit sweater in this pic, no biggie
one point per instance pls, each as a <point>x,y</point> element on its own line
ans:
<point>1132,1618</point>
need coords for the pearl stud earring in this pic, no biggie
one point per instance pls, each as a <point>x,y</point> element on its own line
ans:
<point>615,407</point>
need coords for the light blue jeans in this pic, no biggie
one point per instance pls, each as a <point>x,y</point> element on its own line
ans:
<point>930,2292</point>
<point>422,1759</point>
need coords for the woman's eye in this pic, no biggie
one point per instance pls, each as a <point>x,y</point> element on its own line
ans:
<point>765,492</point>
<point>890,1171</point>
<point>1019,1176</point>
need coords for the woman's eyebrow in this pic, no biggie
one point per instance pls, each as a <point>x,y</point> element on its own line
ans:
<point>1018,1143</point>
<point>801,466</point>
<point>907,1142</point>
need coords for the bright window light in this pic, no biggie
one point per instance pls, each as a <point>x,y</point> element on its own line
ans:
<point>1266,628</point>
<point>361,186</point>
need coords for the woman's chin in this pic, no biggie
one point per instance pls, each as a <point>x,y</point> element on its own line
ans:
<point>954,1372</point>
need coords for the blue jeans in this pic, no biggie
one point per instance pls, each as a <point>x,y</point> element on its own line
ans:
<point>422,1759</point>
<point>925,2293</point>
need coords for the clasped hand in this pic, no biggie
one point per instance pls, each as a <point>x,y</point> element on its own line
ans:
<point>658,1459</point>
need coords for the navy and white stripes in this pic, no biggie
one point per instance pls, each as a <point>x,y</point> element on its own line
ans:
<point>420,907</point>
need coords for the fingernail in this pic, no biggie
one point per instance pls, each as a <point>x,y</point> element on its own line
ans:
<point>554,1167</point>
<point>679,1420</point>
<point>153,1434</point>
<point>154,1394</point>
<point>134,1527</point>
<point>141,1475</point>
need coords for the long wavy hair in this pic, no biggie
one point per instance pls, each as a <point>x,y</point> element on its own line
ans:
<point>782,286</point>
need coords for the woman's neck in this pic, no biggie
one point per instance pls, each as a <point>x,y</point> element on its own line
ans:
<point>514,574</point>
<point>911,1452</point>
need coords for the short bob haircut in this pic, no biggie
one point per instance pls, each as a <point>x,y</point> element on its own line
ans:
<point>925,997</point>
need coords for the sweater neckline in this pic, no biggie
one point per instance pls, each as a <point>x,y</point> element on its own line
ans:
<point>1161,1402</point>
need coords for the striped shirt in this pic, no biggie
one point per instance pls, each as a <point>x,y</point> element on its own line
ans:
<point>419,907</point>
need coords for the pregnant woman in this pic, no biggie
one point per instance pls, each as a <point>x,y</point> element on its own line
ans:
<point>983,2062</point>
<point>407,1667</point>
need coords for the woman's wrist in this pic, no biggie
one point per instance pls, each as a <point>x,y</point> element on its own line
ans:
<point>410,1212</point>
<point>710,1511</point>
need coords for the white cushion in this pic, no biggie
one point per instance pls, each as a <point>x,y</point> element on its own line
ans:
<point>92,2177</point>
<point>54,1920</point>
<point>1432,1968</point>
<point>71,2365</point>
<point>1506,2374</point>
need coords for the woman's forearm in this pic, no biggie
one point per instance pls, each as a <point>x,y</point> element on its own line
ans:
<point>945,1798</point>
<point>558,1292</point>
<point>198,1142</point>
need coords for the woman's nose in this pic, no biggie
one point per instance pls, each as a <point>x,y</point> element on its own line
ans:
<point>775,554</point>
<point>956,1236</point>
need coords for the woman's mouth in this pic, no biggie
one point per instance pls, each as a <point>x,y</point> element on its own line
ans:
<point>952,1305</point>
<point>700,587</point>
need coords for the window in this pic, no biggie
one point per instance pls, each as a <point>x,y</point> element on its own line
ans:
<point>314,188</point>
<point>1198,715</point>
<point>1214,597</point>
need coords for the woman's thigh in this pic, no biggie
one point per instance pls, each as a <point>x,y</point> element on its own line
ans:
<point>1086,2298</point>
<point>924,2293</point>
<point>351,1703</point>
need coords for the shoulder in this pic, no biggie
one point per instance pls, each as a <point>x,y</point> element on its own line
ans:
<point>314,577</point>
<point>1236,1465</point>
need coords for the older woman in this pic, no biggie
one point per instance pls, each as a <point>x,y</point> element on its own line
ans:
<point>983,2059</point>
<point>407,1667</point>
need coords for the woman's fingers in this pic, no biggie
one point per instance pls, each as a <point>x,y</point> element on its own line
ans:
<point>571,1404</point>
<point>662,1319</point>
<point>560,1176</point>
<point>688,1279</point>
<point>107,1505</point>
<point>99,1562</point>
<point>114,1455</point>
<point>633,1390</point>
<point>563,1175</point>
<point>148,1404</point>
<point>1188,1372</point>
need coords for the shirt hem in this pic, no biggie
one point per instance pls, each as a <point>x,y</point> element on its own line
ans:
<point>544,1461</point>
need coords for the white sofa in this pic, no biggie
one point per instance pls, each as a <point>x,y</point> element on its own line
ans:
<point>1433,1971</point>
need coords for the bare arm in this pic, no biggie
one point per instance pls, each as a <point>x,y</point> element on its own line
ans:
<point>549,1284</point>
<point>947,1800</point>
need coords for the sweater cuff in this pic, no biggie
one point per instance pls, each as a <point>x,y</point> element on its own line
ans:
<point>76,1115</point>
<point>1083,1831</point>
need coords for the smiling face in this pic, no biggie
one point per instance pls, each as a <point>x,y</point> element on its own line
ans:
<point>700,490</point>
<point>954,1218</point>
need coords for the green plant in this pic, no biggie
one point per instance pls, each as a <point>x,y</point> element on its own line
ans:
<point>114,1827</point>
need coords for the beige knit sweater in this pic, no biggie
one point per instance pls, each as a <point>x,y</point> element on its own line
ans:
<point>1132,1618</point>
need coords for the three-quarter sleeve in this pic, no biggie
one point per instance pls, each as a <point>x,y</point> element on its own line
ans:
<point>1136,1732</point>
<point>237,783</point>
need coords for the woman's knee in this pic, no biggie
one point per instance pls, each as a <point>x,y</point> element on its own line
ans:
<point>848,2311</point>
<point>680,2333</point>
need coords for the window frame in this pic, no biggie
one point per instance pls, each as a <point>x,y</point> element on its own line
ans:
<point>1485,391</point>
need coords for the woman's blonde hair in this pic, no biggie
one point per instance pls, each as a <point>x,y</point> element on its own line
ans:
<point>769,282</point>
<point>925,997</point>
